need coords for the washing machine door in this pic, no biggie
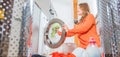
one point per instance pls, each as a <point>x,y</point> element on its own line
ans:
<point>52,39</point>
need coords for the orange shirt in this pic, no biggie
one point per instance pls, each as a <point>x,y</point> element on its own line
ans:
<point>84,31</point>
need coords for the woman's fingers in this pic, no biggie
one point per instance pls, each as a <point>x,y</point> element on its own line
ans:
<point>64,27</point>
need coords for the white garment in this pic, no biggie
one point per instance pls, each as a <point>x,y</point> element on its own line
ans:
<point>80,52</point>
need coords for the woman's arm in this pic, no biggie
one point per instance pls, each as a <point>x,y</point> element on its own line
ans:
<point>82,27</point>
<point>67,34</point>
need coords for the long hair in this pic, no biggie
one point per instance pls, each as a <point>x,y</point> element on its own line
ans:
<point>85,8</point>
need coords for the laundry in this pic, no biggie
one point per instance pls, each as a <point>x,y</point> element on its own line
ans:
<point>55,26</point>
<point>57,54</point>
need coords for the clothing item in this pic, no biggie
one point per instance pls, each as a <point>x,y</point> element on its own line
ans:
<point>57,54</point>
<point>78,52</point>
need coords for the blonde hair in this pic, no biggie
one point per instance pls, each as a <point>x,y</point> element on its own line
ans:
<point>85,8</point>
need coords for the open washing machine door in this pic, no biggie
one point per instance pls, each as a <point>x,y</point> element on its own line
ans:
<point>52,39</point>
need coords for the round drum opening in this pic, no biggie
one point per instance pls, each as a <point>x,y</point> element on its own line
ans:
<point>52,39</point>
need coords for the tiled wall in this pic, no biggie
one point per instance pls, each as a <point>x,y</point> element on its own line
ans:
<point>109,30</point>
<point>5,26</point>
<point>25,29</point>
<point>118,7</point>
<point>15,28</point>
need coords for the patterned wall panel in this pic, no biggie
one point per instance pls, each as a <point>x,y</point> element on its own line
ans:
<point>118,8</point>
<point>5,26</point>
<point>110,23</point>
<point>26,32</point>
<point>116,18</point>
<point>15,28</point>
<point>104,24</point>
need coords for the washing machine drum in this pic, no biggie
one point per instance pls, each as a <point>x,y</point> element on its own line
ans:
<point>52,39</point>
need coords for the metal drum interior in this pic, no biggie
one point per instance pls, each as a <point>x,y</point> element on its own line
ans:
<point>52,39</point>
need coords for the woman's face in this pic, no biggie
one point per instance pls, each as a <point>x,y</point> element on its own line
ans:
<point>79,11</point>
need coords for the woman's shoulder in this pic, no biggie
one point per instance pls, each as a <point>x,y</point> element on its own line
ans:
<point>91,15</point>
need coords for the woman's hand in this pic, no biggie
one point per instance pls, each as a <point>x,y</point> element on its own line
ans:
<point>65,27</point>
<point>59,32</point>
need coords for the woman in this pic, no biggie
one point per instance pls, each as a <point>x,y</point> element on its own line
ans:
<point>85,28</point>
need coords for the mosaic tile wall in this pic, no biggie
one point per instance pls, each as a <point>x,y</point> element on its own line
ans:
<point>5,26</point>
<point>25,30</point>
<point>15,28</point>
<point>118,8</point>
<point>110,24</point>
